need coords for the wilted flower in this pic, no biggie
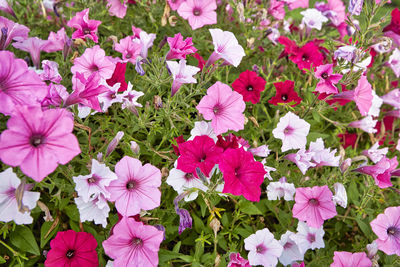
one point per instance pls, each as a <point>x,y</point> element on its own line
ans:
<point>185,220</point>
<point>340,197</point>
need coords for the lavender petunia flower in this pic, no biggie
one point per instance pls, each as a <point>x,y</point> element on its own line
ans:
<point>185,220</point>
<point>355,7</point>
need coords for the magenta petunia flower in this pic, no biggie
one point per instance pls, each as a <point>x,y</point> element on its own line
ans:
<point>33,46</point>
<point>130,48</point>
<point>242,174</point>
<point>136,187</point>
<point>198,12</point>
<point>180,48</point>
<point>314,205</point>
<point>134,244</point>
<point>50,72</point>
<point>381,172</point>
<point>117,8</point>
<point>94,60</point>
<point>19,86</point>
<point>327,79</point>
<point>70,248</point>
<point>38,141</point>
<point>235,260</point>
<point>387,227</point>
<point>223,107</point>
<point>84,26</point>
<point>347,259</point>
<point>201,152</point>
<point>9,30</point>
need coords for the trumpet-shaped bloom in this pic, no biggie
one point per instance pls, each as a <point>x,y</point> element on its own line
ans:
<point>33,46</point>
<point>381,171</point>
<point>4,6</point>
<point>174,4</point>
<point>19,86</point>
<point>94,209</point>
<point>223,107</point>
<point>367,124</point>
<point>38,141</point>
<point>15,196</point>
<point>249,85</point>
<point>133,244</point>
<point>84,26</point>
<point>56,41</point>
<point>340,197</point>
<point>314,205</point>
<point>180,48</point>
<point>130,48</point>
<point>303,159</point>
<point>347,259</point>
<point>9,30</point>
<point>198,12</point>
<point>308,237</point>
<point>375,154</point>
<point>394,62</point>
<point>136,187</point>
<point>291,251</point>
<point>277,190</point>
<point>313,18</point>
<point>292,131</point>
<point>322,156</point>
<point>285,93</point>
<point>327,79</point>
<point>181,73</point>
<point>116,8</point>
<point>227,47</point>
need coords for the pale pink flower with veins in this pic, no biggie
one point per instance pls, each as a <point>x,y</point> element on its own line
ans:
<point>130,48</point>
<point>33,46</point>
<point>198,12</point>
<point>56,41</point>
<point>291,251</point>
<point>394,62</point>
<point>50,71</point>
<point>277,9</point>
<point>367,124</point>
<point>181,74</point>
<point>11,31</point>
<point>303,159</point>
<point>308,237</point>
<point>347,259</point>
<point>374,153</point>
<point>96,209</point>
<point>392,98</point>
<point>293,4</point>
<point>116,8</point>
<point>323,156</point>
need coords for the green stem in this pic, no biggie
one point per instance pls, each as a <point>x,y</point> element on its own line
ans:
<point>15,253</point>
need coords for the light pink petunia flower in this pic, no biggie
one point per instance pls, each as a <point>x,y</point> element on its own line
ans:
<point>374,153</point>
<point>181,74</point>
<point>84,26</point>
<point>146,40</point>
<point>381,171</point>
<point>56,41</point>
<point>292,131</point>
<point>223,107</point>
<point>9,30</point>
<point>93,60</point>
<point>33,46</point>
<point>308,237</point>
<point>9,206</point>
<point>314,205</point>
<point>130,48</point>
<point>327,79</point>
<point>293,4</point>
<point>180,48</point>
<point>19,85</point>
<point>392,98</point>
<point>134,244</point>
<point>226,47</point>
<point>277,9</point>
<point>367,124</point>
<point>50,71</point>
<point>303,159</point>
<point>198,12</point>
<point>394,62</point>
<point>4,6</point>
<point>117,8</point>
<point>291,251</point>
<point>175,4</point>
<point>136,187</point>
<point>38,141</point>
<point>322,156</point>
<point>263,248</point>
<point>387,227</point>
<point>347,259</point>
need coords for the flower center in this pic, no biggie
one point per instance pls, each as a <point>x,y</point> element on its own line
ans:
<point>311,238</point>
<point>261,249</point>
<point>305,57</point>
<point>313,202</point>
<point>130,185</point>
<point>36,140</point>
<point>188,176</point>
<point>93,179</point>
<point>288,130</point>
<point>137,242</point>
<point>86,31</point>
<point>129,55</point>
<point>217,109</point>
<point>284,97</point>
<point>250,88</point>
<point>288,245</point>
<point>70,253</point>
<point>197,11</point>
<point>94,68</point>
<point>324,75</point>
<point>393,231</point>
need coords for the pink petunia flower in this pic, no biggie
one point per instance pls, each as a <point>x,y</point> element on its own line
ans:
<point>223,107</point>
<point>10,209</point>
<point>50,71</point>
<point>291,251</point>
<point>235,260</point>
<point>347,259</point>
<point>130,48</point>
<point>70,248</point>
<point>84,26</point>
<point>116,8</point>
<point>93,60</point>
<point>394,62</point>
<point>381,171</point>
<point>314,205</point>
<point>293,4</point>
<point>264,248</point>
<point>201,152</point>
<point>198,12</point>
<point>292,131</point>
<point>277,190</point>
<point>327,79</point>
<point>33,46</point>
<point>181,74</point>
<point>136,187</point>
<point>374,153</point>
<point>56,41</point>
<point>180,48</point>
<point>387,227</point>
<point>175,4</point>
<point>9,30</point>
<point>392,98</point>
<point>277,9</point>
<point>367,124</point>
<point>4,6</point>
<point>242,174</point>
<point>56,95</point>
<point>133,244</point>
<point>38,141</point>
<point>308,237</point>
<point>226,47</point>
<point>19,86</point>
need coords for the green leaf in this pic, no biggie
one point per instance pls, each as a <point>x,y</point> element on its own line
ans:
<point>43,231</point>
<point>364,227</point>
<point>2,260</point>
<point>166,255</point>
<point>249,208</point>
<point>24,240</point>
<point>72,212</point>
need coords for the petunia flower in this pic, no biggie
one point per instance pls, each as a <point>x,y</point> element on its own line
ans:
<point>5,7</point>
<point>347,259</point>
<point>334,10</point>
<point>95,183</point>
<point>110,97</point>
<point>226,47</point>
<point>277,190</point>
<point>117,8</point>
<point>133,244</point>
<point>303,159</point>
<point>292,131</point>
<point>307,56</point>
<point>261,151</point>
<point>267,169</point>
<point>16,201</point>
<point>249,85</point>
<point>340,197</point>
<point>242,174</point>
<point>387,227</point>
<point>223,107</point>
<point>293,4</point>
<point>308,237</point>
<point>374,153</point>
<point>277,9</point>
<point>392,98</point>
<point>367,124</point>
<point>381,171</point>
<point>56,95</point>
<point>84,26</point>
<point>313,18</point>
<point>263,248</point>
<point>146,40</point>
<point>185,220</point>
<point>174,4</point>
<point>93,60</point>
<point>314,205</point>
<point>181,74</point>
<point>56,41</point>
<point>19,85</point>
<point>291,251</point>
<point>95,209</point>
<point>347,52</point>
<point>130,48</point>
<point>355,7</point>
<point>375,108</point>
<point>118,76</point>
<point>180,48</point>
<point>38,141</point>
<point>136,187</point>
<point>322,156</point>
<point>70,248</point>
<point>9,30</point>
<point>50,71</point>
<point>33,46</point>
<point>202,128</point>
<point>394,62</point>
<point>285,93</point>
<point>327,79</point>
<point>235,260</point>
<point>198,12</point>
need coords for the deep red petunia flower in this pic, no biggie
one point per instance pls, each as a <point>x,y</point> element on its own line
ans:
<point>178,140</point>
<point>119,77</point>
<point>200,60</point>
<point>200,152</point>
<point>249,85</point>
<point>242,174</point>
<point>229,141</point>
<point>285,93</point>
<point>348,139</point>
<point>394,25</point>
<point>307,56</point>
<point>70,248</point>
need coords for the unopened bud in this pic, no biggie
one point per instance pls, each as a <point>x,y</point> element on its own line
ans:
<point>113,144</point>
<point>135,147</point>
